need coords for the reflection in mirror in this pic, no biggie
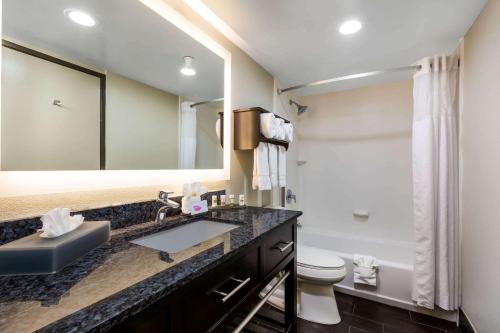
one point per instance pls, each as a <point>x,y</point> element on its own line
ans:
<point>88,86</point>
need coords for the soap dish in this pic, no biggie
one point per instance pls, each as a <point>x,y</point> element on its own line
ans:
<point>36,255</point>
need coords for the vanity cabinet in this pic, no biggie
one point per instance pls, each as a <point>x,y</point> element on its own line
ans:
<point>213,300</point>
<point>210,299</point>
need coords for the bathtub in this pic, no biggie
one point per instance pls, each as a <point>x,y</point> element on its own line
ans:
<point>394,281</point>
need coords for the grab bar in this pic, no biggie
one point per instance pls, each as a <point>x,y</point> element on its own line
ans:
<point>263,301</point>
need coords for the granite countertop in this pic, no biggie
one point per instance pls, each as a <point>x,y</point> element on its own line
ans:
<point>119,279</point>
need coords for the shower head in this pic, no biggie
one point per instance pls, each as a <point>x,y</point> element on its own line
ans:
<point>300,108</point>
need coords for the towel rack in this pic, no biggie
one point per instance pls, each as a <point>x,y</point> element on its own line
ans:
<point>247,134</point>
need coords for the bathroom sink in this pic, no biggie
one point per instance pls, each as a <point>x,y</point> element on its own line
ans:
<point>180,238</point>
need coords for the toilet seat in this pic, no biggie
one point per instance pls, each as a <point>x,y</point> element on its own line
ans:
<point>319,265</point>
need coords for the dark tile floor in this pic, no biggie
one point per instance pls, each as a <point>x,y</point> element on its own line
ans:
<point>364,316</point>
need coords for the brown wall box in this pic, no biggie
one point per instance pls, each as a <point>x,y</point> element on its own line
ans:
<point>247,133</point>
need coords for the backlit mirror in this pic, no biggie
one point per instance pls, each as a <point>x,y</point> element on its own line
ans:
<point>106,85</point>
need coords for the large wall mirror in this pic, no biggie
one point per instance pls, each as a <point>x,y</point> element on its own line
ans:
<point>106,85</point>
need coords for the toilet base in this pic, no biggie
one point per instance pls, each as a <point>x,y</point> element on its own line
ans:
<point>317,303</point>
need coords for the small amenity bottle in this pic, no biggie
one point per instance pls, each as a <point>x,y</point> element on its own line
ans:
<point>241,200</point>
<point>214,201</point>
<point>222,199</point>
<point>231,200</point>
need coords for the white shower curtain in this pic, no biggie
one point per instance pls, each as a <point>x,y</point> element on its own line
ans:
<point>187,142</point>
<point>435,183</point>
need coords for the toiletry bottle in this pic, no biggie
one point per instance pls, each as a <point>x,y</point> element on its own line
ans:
<point>214,201</point>
<point>231,200</point>
<point>223,200</point>
<point>242,200</point>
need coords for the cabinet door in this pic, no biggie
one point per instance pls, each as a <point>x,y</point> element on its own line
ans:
<point>212,298</point>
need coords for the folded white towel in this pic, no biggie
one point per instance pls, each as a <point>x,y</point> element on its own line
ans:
<point>365,261</point>
<point>281,166</point>
<point>365,269</point>
<point>364,275</point>
<point>280,133</point>
<point>288,127</point>
<point>261,179</point>
<point>58,222</point>
<point>217,128</point>
<point>273,164</point>
<point>268,125</point>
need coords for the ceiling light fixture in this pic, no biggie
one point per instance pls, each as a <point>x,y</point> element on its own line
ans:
<point>80,17</point>
<point>188,69</point>
<point>350,27</point>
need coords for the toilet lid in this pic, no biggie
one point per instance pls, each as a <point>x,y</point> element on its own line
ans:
<point>318,258</point>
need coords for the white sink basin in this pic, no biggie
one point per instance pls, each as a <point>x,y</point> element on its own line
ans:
<point>180,238</point>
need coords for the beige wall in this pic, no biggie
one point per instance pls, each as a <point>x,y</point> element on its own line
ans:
<point>481,171</point>
<point>357,145</point>
<point>251,86</point>
<point>141,126</point>
<point>37,135</point>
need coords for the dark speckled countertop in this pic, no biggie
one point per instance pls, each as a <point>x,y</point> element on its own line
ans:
<point>119,279</point>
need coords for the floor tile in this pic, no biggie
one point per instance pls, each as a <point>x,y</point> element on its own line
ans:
<point>403,326</point>
<point>304,326</point>
<point>364,316</point>
<point>345,307</point>
<point>344,297</point>
<point>357,330</point>
<point>379,312</point>
<point>433,321</point>
<point>365,324</point>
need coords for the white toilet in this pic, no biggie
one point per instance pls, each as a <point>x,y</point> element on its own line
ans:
<point>318,270</point>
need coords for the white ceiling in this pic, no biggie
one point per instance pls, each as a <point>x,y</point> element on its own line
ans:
<point>298,40</point>
<point>129,39</point>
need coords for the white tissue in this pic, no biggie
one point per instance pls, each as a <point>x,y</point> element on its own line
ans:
<point>58,222</point>
<point>191,192</point>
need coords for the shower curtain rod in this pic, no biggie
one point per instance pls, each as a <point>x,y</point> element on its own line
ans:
<point>350,77</point>
<point>206,102</point>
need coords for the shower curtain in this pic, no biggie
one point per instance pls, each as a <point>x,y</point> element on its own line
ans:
<point>435,183</point>
<point>187,140</point>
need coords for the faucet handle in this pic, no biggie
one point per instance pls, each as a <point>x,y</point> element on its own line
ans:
<point>163,195</point>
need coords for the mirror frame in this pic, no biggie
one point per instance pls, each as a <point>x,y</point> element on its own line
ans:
<point>19,183</point>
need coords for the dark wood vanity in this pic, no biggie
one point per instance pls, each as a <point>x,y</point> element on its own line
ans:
<point>212,301</point>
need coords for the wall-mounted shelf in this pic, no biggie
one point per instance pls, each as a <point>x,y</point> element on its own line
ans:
<point>247,134</point>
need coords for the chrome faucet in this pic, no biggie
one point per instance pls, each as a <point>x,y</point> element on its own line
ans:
<point>167,204</point>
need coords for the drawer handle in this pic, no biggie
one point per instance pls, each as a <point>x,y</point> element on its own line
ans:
<point>234,291</point>
<point>260,304</point>
<point>283,246</point>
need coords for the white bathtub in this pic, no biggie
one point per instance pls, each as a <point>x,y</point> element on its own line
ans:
<point>394,280</point>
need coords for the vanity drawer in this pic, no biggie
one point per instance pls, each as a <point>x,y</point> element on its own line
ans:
<point>220,291</point>
<point>278,245</point>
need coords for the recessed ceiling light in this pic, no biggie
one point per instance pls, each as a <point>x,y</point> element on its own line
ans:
<point>350,27</point>
<point>188,69</point>
<point>80,17</point>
